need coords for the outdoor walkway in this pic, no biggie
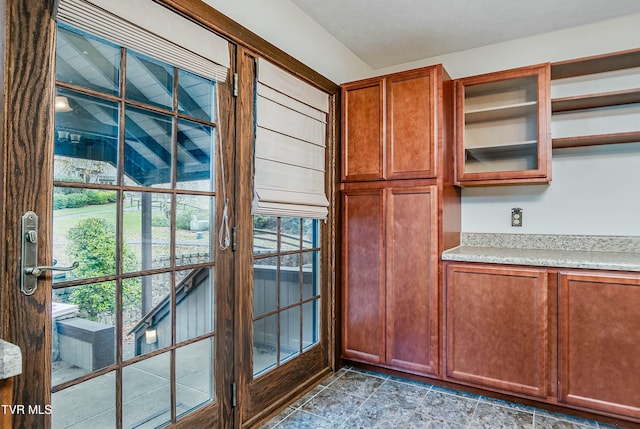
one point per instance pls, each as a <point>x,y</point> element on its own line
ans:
<point>354,399</point>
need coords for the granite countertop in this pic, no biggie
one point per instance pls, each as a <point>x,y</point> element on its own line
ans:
<point>10,360</point>
<point>563,251</point>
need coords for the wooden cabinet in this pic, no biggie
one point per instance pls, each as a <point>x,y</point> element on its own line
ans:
<point>400,210</point>
<point>390,287</point>
<point>599,344</point>
<point>412,279</point>
<point>502,334</point>
<point>497,327</point>
<point>364,275</point>
<point>363,140</point>
<point>390,126</point>
<point>502,127</point>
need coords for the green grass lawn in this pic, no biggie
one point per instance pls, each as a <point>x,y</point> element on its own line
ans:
<point>65,219</point>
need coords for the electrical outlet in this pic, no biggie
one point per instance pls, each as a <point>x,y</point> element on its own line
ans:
<point>516,217</point>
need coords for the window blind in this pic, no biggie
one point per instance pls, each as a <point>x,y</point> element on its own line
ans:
<point>291,119</point>
<point>153,30</point>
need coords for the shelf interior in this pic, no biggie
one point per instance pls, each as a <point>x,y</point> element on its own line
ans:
<point>504,150</point>
<point>591,101</point>
<point>596,64</point>
<point>501,112</point>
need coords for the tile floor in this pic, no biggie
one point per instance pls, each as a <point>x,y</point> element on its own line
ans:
<point>355,399</point>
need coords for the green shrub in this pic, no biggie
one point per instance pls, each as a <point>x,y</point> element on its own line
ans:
<point>160,220</point>
<point>59,201</point>
<point>77,200</point>
<point>73,198</point>
<point>183,219</point>
<point>92,242</point>
<point>100,197</point>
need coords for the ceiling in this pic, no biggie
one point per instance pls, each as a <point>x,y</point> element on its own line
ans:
<point>384,33</point>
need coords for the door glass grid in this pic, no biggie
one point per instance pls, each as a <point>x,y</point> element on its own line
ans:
<point>286,295</point>
<point>134,199</point>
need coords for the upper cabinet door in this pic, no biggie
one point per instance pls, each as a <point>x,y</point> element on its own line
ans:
<point>411,132</point>
<point>390,126</point>
<point>363,130</point>
<point>503,127</point>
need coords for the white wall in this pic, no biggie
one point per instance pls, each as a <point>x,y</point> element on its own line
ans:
<point>585,40</point>
<point>593,191</point>
<point>284,25</point>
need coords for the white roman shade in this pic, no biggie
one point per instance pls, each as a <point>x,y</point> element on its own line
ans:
<point>153,30</point>
<point>291,118</point>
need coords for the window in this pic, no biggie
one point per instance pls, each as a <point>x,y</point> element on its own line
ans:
<point>286,289</point>
<point>289,199</point>
<point>134,200</point>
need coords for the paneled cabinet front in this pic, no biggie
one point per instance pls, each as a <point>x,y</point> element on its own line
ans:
<point>497,327</point>
<point>600,341</point>
<point>363,253</point>
<point>390,126</point>
<point>390,277</point>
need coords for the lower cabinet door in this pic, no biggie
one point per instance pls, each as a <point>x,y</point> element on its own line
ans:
<point>390,277</point>
<point>412,279</point>
<point>363,275</point>
<point>497,327</point>
<point>599,346</point>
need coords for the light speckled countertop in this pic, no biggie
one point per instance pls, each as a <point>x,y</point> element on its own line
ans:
<point>10,360</point>
<point>563,251</point>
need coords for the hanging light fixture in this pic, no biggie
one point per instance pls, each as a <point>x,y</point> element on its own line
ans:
<point>62,104</point>
<point>150,334</point>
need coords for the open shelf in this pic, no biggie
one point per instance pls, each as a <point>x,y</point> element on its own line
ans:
<point>606,87</point>
<point>594,140</point>
<point>596,64</point>
<point>503,150</point>
<point>501,112</point>
<point>591,101</point>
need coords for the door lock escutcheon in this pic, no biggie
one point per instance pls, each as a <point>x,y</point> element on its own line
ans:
<point>29,270</point>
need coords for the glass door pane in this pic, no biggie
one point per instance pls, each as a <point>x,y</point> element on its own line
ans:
<point>134,200</point>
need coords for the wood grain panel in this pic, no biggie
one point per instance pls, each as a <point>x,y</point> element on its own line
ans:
<point>410,125</point>
<point>222,413</point>
<point>600,342</point>
<point>363,297</point>
<point>412,279</point>
<point>363,131</point>
<point>497,327</point>
<point>28,41</point>
<point>6,398</point>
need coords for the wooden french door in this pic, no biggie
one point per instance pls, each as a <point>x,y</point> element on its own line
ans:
<point>35,142</point>
<point>141,334</point>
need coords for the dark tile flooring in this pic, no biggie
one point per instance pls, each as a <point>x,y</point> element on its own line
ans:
<point>355,399</point>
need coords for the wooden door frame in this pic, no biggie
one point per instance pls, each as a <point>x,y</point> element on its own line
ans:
<point>259,399</point>
<point>27,116</point>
